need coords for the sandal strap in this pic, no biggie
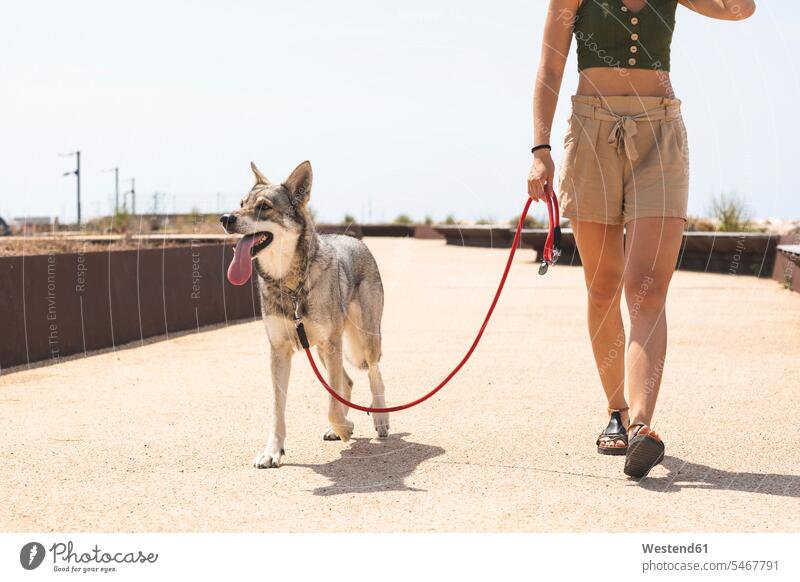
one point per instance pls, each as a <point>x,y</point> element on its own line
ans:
<point>615,430</point>
<point>612,410</point>
<point>615,425</point>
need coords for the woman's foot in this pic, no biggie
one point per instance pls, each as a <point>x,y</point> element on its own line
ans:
<point>645,450</point>
<point>643,429</point>
<point>614,438</point>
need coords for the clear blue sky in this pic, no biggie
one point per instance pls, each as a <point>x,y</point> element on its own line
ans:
<point>417,107</point>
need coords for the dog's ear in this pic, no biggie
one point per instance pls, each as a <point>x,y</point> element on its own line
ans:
<point>299,184</point>
<point>260,178</point>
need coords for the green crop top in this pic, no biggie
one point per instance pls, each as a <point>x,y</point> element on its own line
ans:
<point>609,34</point>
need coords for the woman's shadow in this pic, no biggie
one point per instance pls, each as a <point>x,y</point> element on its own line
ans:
<point>685,475</point>
<point>368,465</point>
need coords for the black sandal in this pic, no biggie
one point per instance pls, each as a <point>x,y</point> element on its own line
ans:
<point>615,431</point>
<point>644,452</point>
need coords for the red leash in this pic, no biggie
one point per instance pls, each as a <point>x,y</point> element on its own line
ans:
<point>552,249</point>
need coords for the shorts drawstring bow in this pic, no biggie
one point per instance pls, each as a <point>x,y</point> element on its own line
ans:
<point>622,134</point>
<point>625,129</point>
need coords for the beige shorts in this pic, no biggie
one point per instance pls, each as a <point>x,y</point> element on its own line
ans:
<point>625,157</point>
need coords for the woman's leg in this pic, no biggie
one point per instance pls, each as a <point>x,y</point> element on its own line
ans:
<point>651,248</point>
<point>602,254</point>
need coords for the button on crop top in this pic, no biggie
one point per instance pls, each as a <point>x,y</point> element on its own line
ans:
<point>609,34</point>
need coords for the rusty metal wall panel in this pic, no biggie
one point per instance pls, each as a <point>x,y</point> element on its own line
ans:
<point>62,304</point>
<point>387,230</point>
<point>739,253</point>
<point>787,265</point>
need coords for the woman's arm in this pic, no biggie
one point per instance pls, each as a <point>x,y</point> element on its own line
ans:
<point>555,48</point>
<point>722,9</point>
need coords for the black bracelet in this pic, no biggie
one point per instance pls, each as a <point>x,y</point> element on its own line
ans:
<point>541,147</point>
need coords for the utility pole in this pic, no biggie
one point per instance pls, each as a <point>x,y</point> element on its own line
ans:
<point>77,173</point>
<point>78,180</point>
<point>116,188</point>
<point>132,192</point>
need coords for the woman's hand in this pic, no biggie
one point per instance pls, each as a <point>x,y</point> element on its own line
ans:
<point>540,176</point>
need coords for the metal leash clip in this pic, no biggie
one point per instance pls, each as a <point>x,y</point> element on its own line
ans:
<point>543,268</point>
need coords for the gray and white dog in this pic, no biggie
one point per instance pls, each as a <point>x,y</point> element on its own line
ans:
<point>331,281</point>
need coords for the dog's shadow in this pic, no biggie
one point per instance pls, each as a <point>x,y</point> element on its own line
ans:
<point>369,465</point>
<point>685,475</point>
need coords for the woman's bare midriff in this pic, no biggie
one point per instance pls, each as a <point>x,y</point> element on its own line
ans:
<point>604,81</point>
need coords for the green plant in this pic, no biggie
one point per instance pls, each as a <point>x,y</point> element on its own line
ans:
<point>483,221</point>
<point>348,219</point>
<point>403,219</point>
<point>450,219</point>
<point>428,220</point>
<point>119,222</point>
<point>731,213</point>
<point>787,279</point>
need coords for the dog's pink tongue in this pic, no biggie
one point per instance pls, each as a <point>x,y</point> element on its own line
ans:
<point>241,266</point>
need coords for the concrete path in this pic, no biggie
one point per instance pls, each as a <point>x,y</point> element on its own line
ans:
<point>161,437</point>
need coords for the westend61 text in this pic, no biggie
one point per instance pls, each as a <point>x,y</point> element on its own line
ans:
<point>670,549</point>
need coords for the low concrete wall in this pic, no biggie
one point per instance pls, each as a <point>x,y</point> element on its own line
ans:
<point>61,304</point>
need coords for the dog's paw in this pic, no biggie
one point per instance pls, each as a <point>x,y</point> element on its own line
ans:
<point>269,459</point>
<point>339,431</point>
<point>381,421</point>
<point>330,435</point>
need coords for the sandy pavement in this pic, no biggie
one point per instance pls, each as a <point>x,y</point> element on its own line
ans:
<point>161,437</point>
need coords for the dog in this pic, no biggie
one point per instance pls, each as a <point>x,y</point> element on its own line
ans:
<point>330,281</point>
